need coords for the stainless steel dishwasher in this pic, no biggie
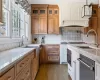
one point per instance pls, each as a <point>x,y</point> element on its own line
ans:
<point>87,68</point>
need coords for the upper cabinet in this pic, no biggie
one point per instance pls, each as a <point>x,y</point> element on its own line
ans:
<point>39,19</point>
<point>0,11</point>
<point>53,19</point>
<point>95,10</point>
<point>93,20</point>
<point>45,19</point>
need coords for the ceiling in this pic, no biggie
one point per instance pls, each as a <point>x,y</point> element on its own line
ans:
<point>57,1</point>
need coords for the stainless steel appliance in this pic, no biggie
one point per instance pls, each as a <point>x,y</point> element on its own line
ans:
<point>87,68</point>
<point>69,54</point>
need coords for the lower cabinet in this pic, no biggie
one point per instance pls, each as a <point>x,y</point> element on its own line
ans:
<point>10,75</point>
<point>35,67</point>
<point>50,53</point>
<point>25,69</point>
<point>26,73</point>
<point>53,53</point>
<point>97,71</point>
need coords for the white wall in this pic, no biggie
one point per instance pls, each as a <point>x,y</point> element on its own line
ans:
<point>49,39</point>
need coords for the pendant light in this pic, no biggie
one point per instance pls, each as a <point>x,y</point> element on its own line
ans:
<point>86,10</point>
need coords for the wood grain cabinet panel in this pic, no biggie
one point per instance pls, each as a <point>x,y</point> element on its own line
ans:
<point>53,58</point>
<point>39,19</point>
<point>10,75</point>
<point>53,19</point>
<point>51,25</point>
<point>0,11</point>
<point>43,25</point>
<point>94,23</point>
<point>23,63</point>
<point>93,20</point>
<point>95,10</point>
<point>45,19</point>
<point>35,25</point>
<point>26,73</point>
<point>52,53</point>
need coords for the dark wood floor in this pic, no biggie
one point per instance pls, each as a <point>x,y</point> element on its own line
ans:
<point>52,72</point>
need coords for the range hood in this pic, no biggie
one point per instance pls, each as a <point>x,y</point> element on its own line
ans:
<point>74,23</point>
<point>71,15</point>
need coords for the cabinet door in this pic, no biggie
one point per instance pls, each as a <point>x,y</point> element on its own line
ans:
<point>10,75</point>
<point>42,25</point>
<point>0,11</point>
<point>51,24</point>
<point>94,10</point>
<point>56,25</point>
<point>50,12</point>
<point>94,23</point>
<point>34,68</point>
<point>35,25</point>
<point>97,71</point>
<point>56,12</point>
<point>35,11</point>
<point>43,12</point>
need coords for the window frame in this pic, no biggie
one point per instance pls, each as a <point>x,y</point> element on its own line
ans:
<point>10,25</point>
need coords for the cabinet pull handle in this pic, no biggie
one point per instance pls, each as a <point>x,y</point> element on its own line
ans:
<point>27,59</point>
<point>9,78</point>
<point>27,73</point>
<point>21,64</point>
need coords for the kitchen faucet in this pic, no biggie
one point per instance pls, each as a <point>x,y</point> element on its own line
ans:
<point>23,40</point>
<point>96,42</point>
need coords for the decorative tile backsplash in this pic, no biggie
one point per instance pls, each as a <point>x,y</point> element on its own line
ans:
<point>71,33</point>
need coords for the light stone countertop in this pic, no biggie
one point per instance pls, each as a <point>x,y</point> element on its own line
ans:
<point>93,53</point>
<point>10,57</point>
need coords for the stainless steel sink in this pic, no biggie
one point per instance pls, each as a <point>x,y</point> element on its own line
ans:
<point>84,47</point>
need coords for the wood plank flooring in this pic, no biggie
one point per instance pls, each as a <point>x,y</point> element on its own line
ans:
<point>52,72</point>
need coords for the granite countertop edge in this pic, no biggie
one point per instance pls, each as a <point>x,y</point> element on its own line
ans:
<point>90,53</point>
<point>12,64</point>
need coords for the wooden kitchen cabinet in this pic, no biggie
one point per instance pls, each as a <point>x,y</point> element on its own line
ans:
<point>45,19</point>
<point>0,11</point>
<point>93,20</point>
<point>10,75</point>
<point>39,19</point>
<point>43,55</point>
<point>98,29</point>
<point>35,25</point>
<point>53,19</point>
<point>52,53</point>
<point>25,74</point>
<point>43,25</point>
<point>23,69</point>
<point>95,10</point>
<point>97,71</point>
<point>35,66</point>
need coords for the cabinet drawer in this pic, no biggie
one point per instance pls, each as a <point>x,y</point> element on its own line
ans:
<point>23,63</point>
<point>52,49</point>
<point>53,53</point>
<point>52,46</point>
<point>26,73</point>
<point>9,75</point>
<point>53,58</point>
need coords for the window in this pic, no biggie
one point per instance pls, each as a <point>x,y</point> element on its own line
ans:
<point>18,21</point>
<point>15,20</point>
<point>5,27</point>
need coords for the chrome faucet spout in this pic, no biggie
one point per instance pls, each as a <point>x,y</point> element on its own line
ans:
<point>23,40</point>
<point>92,30</point>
